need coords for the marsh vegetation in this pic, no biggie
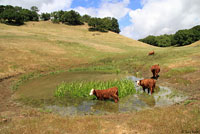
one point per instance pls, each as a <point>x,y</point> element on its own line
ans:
<point>82,88</point>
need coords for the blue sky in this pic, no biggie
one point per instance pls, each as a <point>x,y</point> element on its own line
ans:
<point>123,22</point>
<point>137,18</point>
<point>85,3</point>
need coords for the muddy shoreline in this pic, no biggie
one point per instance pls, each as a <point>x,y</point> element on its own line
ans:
<point>39,93</point>
<point>15,114</point>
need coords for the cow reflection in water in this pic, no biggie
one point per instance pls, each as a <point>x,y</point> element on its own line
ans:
<point>106,106</point>
<point>148,99</point>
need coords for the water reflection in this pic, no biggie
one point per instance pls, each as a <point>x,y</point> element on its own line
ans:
<point>147,99</point>
<point>162,96</point>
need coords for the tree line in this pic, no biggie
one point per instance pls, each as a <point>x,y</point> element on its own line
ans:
<point>74,18</point>
<point>18,15</point>
<point>180,38</point>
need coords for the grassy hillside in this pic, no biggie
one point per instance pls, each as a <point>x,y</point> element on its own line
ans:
<point>43,46</point>
<point>46,47</point>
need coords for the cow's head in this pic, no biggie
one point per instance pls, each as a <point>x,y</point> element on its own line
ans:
<point>138,82</point>
<point>92,92</point>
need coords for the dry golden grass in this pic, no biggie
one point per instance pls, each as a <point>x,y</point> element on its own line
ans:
<point>197,43</point>
<point>171,120</point>
<point>45,46</point>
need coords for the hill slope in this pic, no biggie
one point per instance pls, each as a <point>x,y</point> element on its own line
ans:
<point>43,46</point>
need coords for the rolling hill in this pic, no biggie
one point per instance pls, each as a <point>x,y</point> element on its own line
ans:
<point>44,46</point>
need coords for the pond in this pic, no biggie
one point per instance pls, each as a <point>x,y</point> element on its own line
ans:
<point>41,92</point>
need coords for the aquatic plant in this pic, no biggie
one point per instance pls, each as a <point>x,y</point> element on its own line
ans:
<point>82,88</point>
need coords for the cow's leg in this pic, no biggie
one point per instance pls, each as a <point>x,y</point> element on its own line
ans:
<point>148,90</point>
<point>157,75</point>
<point>151,90</point>
<point>116,98</point>
<point>154,74</point>
<point>100,98</point>
<point>143,89</point>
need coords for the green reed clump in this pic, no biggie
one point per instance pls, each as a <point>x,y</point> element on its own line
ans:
<point>83,88</point>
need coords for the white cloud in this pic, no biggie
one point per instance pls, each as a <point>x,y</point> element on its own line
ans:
<point>89,11</point>
<point>156,17</point>
<point>162,17</point>
<point>43,5</point>
<point>111,8</point>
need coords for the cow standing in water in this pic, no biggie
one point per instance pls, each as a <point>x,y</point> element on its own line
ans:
<point>106,94</point>
<point>155,69</point>
<point>150,84</point>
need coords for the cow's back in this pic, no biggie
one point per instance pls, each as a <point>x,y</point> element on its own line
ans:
<point>109,91</point>
<point>148,82</point>
<point>155,68</point>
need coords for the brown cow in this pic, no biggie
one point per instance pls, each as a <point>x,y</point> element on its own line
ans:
<point>151,53</point>
<point>147,83</point>
<point>106,94</point>
<point>155,69</point>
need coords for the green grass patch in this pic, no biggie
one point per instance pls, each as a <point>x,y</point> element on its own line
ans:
<point>188,102</point>
<point>182,81</point>
<point>179,71</point>
<point>82,89</point>
<point>107,69</point>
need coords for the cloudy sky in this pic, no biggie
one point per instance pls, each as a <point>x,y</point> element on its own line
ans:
<point>137,18</point>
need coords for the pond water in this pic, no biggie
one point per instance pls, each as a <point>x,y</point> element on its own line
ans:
<point>43,89</point>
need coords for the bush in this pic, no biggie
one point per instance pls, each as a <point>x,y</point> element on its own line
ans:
<point>16,15</point>
<point>104,25</point>
<point>86,18</point>
<point>180,38</point>
<point>45,16</point>
<point>71,18</point>
<point>55,21</point>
